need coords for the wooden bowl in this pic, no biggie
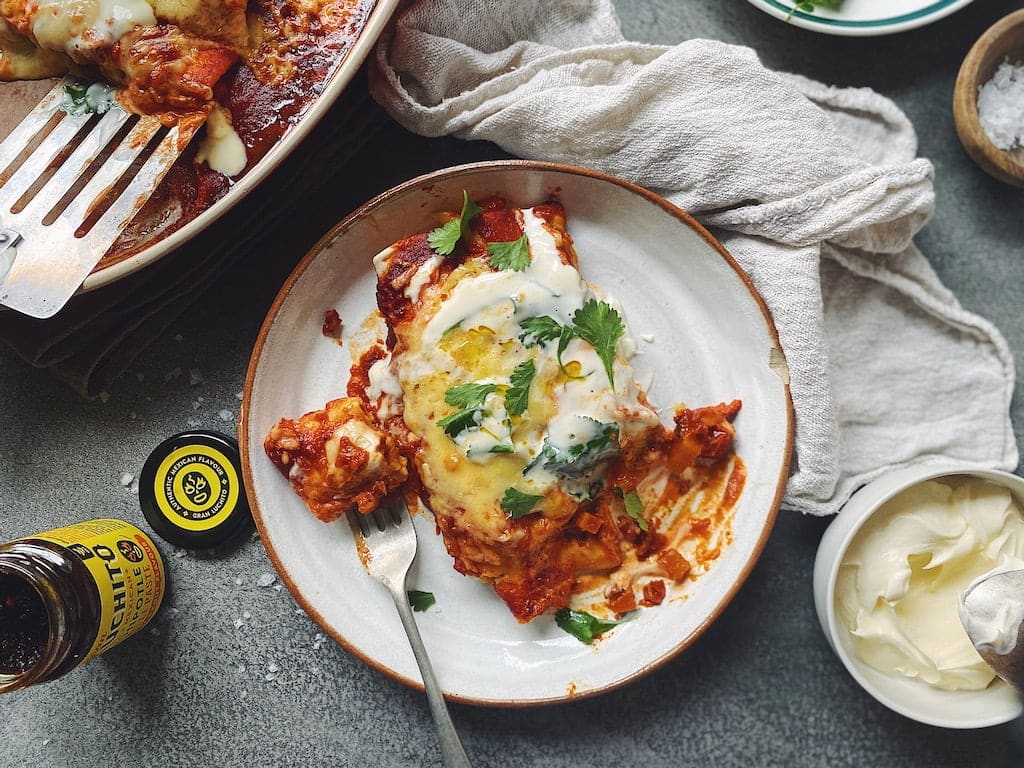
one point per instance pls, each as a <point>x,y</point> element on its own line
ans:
<point>1004,39</point>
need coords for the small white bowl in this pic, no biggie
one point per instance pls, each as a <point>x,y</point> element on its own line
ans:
<point>912,698</point>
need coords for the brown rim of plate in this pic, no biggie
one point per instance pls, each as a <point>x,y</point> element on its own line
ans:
<point>426,181</point>
<point>346,69</point>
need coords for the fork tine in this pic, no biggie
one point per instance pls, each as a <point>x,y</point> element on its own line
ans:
<point>358,522</point>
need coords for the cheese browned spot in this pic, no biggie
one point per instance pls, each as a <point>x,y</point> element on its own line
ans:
<point>336,459</point>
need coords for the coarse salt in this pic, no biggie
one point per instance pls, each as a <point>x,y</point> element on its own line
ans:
<point>266,579</point>
<point>1001,106</point>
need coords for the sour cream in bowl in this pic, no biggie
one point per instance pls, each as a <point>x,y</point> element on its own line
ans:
<point>887,581</point>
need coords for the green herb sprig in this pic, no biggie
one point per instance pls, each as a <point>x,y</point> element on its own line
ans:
<point>420,601</point>
<point>596,323</point>
<point>584,626</point>
<point>444,239</point>
<point>517,504</point>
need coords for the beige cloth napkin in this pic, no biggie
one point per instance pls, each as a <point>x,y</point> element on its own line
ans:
<point>815,190</point>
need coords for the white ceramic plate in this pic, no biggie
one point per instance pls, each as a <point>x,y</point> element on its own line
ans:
<point>862,18</point>
<point>19,97</point>
<point>712,340</point>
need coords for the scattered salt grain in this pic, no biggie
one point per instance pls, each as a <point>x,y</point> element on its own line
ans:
<point>141,377</point>
<point>241,667</point>
<point>178,337</point>
<point>104,396</point>
<point>238,395</point>
<point>45,742</point>
<point>195,377</point>
<point>277,587</point>
<point>319,640</point>
<point>266,579</point>
<point>246,615</point>
<point>225,414</point>
<point>133,415</point>
<point>193,422</point>
<point>126,479</point>
<point>239,580</point>
<point>648,337</point>
<point>269,677</point>
<point>154,631</point>
<point>244,693</point>
<point>1001,106</point>
<point>238,623</point>
<point>271,667</point>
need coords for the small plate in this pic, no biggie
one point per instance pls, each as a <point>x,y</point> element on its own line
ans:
<point>863,18</point>
<point>712,340</point>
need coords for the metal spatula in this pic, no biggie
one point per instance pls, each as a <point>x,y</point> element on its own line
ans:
<point>69,185</point>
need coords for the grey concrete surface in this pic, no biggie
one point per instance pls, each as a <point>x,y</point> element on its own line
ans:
<point>760,688</point>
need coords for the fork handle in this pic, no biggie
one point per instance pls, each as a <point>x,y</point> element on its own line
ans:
<point>452,753</point>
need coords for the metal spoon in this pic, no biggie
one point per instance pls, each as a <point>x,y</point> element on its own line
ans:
<point>992,612</point>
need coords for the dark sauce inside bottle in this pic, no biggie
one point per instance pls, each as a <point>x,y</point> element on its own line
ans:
<point>24,625</point>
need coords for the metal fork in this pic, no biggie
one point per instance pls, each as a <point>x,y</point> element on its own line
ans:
<point>69,185</point>
<point>390,540</point>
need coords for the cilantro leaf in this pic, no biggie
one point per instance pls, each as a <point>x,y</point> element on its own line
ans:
<point>582,625</point>
<point>444,239</point>
<point>459,421</point>
<point>471,395</point>
<point>598,324</point>
<point>503,448</point>
<point>518,394</point>
<point>514,255</point>
<point>634,507</point>
<point>539,329</point>
<point>81,98</point>
<point>420,601</point>
<point>580,458</point>
<point>517,504</point>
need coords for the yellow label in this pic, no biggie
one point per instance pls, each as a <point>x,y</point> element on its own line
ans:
<point>128,572</point>
<point>196,487</point>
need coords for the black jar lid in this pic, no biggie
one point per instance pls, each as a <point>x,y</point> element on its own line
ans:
<point>191,491</point>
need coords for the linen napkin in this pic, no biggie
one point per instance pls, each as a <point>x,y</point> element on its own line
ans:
<point>814,190</point>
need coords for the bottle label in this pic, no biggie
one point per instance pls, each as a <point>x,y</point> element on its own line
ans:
<point>128,572</point>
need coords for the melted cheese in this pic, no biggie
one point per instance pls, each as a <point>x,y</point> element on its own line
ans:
<point>79,26</point>
<point>473,335</point>
<point>222,148</point>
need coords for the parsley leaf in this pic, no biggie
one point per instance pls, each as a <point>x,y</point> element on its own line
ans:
<point>598,324</point>
<point>444,239</point>
<point>514,255</point>
<point>580,458</point>
<point>469,398</point>
<point>539,329</point>
<point>517,504</point>
<point>518,394</point>
<point>81,98</point>
<point>471,395</point>
<point>634,507</point>
<point>459,421</point>
<point>420,601</point>
<point>582,625</point>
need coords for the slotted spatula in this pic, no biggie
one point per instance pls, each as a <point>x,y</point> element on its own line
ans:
<point>69,185</point>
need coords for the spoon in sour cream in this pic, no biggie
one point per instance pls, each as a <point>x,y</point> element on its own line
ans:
<point>992,612</point>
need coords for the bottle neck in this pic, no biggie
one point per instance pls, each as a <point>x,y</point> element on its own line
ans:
<point>37,579</point>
